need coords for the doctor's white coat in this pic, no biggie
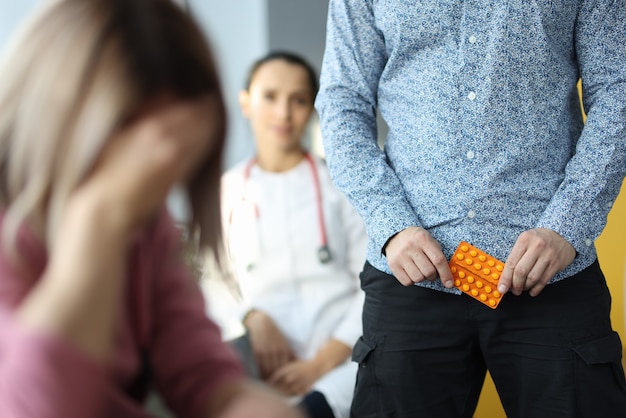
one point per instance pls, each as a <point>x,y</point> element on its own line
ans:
<point>273,233</point>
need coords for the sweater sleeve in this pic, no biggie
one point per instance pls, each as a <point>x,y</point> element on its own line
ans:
<point>190,360</point>
<point>41,375</point>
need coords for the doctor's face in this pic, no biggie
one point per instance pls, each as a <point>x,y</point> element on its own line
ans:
<point>278,104</point>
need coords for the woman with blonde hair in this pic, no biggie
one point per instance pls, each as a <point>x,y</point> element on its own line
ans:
<point>104,106</point>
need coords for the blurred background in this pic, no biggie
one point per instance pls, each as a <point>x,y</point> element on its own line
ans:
<point>239,31</point>
<point>242,30</point>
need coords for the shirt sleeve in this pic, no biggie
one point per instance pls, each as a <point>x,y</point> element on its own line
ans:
<point>354,60</point>
<point>594,174</point>
<point>190,360</point>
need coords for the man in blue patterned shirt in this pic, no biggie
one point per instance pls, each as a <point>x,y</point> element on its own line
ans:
<point>486,144</point>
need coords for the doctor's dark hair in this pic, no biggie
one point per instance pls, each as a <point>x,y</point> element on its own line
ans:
<point>290,58</point>
<point>80,70</point>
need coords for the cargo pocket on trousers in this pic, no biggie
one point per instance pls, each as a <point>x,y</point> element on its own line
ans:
<point>364,403</point>
<point>599,372</point>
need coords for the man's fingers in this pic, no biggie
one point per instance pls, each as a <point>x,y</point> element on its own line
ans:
<point>536,257</point>
<point>419,267</point>
<point>423,267</point>
<point>414,256</point>
<point>406,271</point>
<point>510,267</point>
<point>520,273</point>
<point>440,266</point>
<point>401,275</point>
<point>541,271</point>
<point>537,288</point>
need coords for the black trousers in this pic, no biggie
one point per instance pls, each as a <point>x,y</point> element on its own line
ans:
<point>424,353</point>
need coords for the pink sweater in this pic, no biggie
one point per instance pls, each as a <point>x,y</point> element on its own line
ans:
<point>43,376</point>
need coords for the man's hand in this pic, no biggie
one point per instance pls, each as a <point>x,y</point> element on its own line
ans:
<point>538,254</point>
<point>414,256</point>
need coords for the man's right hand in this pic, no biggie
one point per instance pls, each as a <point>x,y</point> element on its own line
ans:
<point>414,256</point>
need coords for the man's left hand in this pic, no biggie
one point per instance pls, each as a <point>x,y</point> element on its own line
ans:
<point>538,254</point>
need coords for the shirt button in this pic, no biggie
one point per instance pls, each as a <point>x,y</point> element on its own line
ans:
<point>588,242</point>
<point>472,39</point>
<point>471,214</point>
<point>470,155</point>
<point>471,95</point>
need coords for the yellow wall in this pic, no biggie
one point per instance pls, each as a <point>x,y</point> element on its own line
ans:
<point>612,256</point>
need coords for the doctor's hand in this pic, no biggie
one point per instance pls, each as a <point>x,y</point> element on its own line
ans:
<point>270,347</point>
<point>538,254</point>
<point>295,378</point>
<point>414,256</point>
<point>249,400</point>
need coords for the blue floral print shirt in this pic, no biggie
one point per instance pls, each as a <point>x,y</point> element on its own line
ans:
<point>486,137</point>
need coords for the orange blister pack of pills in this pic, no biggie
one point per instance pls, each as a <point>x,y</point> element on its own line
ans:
<point>476,274</point>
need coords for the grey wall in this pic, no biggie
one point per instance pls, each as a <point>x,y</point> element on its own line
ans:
<point>299,25</point>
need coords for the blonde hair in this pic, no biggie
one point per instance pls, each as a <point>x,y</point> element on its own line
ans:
<point>75,74</point>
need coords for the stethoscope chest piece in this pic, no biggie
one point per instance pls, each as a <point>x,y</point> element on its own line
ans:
<point>324,254</point>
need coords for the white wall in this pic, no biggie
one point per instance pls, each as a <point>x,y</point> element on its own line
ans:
<point>12,12</point>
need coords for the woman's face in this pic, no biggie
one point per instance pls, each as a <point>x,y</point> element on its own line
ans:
<point>278,104</point>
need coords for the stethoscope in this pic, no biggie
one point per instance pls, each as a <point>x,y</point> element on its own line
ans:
<point>323,253</point>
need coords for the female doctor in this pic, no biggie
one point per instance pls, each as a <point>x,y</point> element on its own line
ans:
<point>296,246</point>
